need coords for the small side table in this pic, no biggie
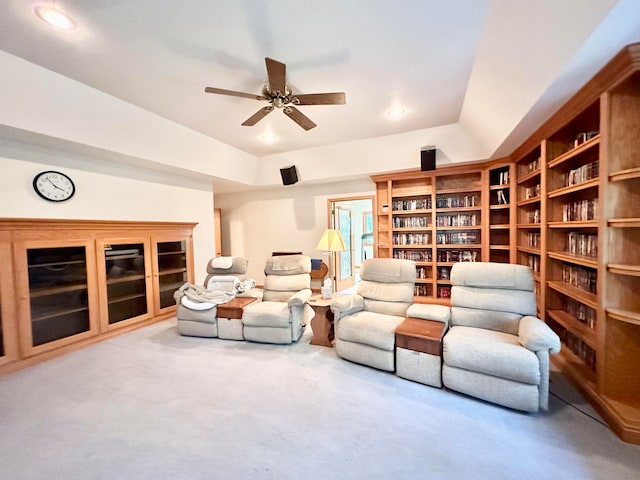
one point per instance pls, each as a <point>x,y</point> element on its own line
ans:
<point>322,322</point>
<point>419,351</point>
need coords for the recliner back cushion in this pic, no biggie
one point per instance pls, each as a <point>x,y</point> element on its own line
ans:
<point>386,292</point>
<point>506,322</point>
<point>288,265</point>
<point>238,266</point>
<point>491,295</point>
<point>279,288</point>
<point>387,308</point>
<point>492,275</point>
<point>388,270</point>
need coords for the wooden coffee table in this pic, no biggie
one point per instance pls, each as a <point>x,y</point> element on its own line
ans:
<point>322,322</point>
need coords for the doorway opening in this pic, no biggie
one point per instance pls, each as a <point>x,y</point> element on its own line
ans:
<point>353,217</point>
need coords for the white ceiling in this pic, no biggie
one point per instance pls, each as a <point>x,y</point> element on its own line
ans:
<point>497,67</point>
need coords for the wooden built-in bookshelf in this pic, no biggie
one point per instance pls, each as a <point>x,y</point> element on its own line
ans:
<point>566,203</point>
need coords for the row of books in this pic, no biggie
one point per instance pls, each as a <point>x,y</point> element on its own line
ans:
<point>503,177</point>
<point>502,196</point>
<point>415,255</point>
<point>581,174</point>
<point>444,292</point>
<point>413,204</point>
<point>410,239</point>
<point>460,220</point>
<point>410,222</point>
<point>533,240</point>
<point>533,165</point>
<point>444,273</point>
<point>533,216</point>
<point>534,263</point>
<point>532,192</point>
<point>580,211</point>
<point>582,278</point>
<point>581,244</point>
<point>456,201</point>
<point>422,290</point>
<point>580,311</point>
<point>456,238</point>
<point>577,346</point>
<point>457,256</point>
<point>422,272</point>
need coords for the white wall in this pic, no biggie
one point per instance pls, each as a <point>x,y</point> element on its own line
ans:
<point>291,218</point>
<point>106,192</point>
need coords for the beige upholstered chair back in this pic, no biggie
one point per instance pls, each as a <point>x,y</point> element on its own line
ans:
<point>224,278</point>
<point>387,285</point>
<point>286,275</point>
<point>494,296</point>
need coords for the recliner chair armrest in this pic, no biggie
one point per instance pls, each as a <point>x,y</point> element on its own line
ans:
<point>300,298</point>
<point>426,311</point>
<point>256,293</point>
<point>535,335</point>
<point>343,305</point>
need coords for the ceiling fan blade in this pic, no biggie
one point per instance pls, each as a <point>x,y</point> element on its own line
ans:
<point>234,93</point>
<point>259,115</point>
<point>276,72</point>
<point>337,98</point>
<point>298,117</point>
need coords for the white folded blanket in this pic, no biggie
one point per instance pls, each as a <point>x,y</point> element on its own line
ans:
<point>222,262</point>
<point>198,293</point>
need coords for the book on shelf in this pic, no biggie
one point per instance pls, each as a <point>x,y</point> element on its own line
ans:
<point>580,277</point>
<point>582,244</point>
<point>583,210</point>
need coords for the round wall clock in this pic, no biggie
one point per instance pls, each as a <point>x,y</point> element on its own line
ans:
<point>54,186</point>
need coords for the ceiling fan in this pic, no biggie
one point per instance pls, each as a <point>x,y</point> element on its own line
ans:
<point>280,95</point>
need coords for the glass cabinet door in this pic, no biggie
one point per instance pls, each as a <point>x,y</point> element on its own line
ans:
<point>59,300</point>
<point>126,296</point>
<point>171,271</point>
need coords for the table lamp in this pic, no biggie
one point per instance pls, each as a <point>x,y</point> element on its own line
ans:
<point>331,241</point>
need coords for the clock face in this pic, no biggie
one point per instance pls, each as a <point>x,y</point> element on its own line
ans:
<point>54,186</point>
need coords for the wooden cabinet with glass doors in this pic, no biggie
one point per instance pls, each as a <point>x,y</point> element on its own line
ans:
<point>76,282</point>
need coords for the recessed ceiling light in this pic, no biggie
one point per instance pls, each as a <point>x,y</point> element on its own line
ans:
<point>268,137</point>
<point>394,113</point>
<point>54,17</point>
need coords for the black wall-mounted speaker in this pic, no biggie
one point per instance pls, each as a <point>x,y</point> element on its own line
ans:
<point>428,160</point>
<point>289,175</point>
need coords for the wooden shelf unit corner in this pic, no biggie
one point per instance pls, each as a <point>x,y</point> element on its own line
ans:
<point>589,242</point>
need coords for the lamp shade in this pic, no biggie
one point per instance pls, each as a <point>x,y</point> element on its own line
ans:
<point>331,241</point>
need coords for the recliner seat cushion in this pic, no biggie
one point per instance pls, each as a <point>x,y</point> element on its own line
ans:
<point>267,314</point>
<point>370,328</point>
<point>492,353</point>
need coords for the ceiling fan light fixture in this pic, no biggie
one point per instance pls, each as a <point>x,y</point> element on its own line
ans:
<point>54,17</point>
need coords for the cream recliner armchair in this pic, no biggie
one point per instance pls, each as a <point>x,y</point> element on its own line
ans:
<point>365,323</point>
<point>496,348</point>
<point>283,313</point>
<point>197,305</point>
